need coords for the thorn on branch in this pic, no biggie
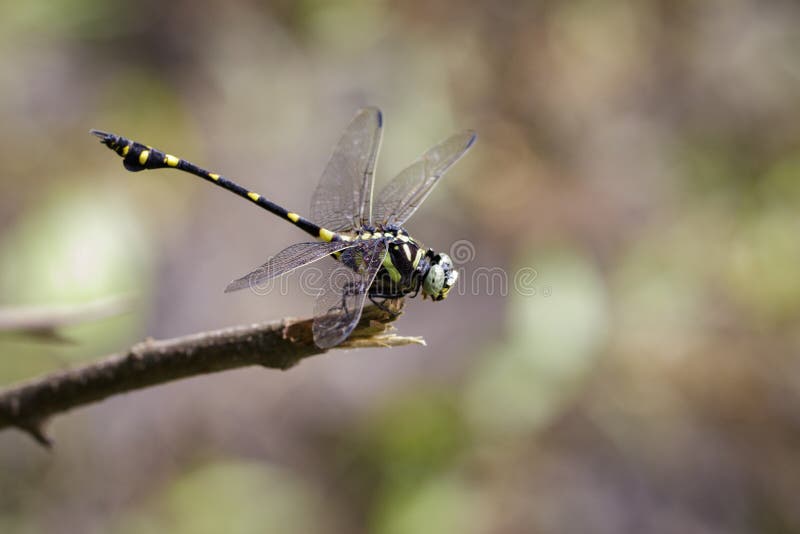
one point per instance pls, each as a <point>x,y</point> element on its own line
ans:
<point>37,432</point>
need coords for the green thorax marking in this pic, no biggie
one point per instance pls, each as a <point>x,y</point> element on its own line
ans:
<point>394,273</point>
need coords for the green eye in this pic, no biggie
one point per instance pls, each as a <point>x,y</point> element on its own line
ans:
<point>434,281</point>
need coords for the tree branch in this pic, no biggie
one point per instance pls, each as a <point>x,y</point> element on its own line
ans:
<point>279,345</point>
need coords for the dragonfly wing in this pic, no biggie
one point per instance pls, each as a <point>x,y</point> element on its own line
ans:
<point>342,200</point>
<point>341,299</point>
<point>288,260</point>
<point>401,197</point>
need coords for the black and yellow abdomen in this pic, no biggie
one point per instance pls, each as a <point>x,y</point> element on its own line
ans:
<point>138,157</point>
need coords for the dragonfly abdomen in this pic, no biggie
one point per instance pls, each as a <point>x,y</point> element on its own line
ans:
<point>138,157</point>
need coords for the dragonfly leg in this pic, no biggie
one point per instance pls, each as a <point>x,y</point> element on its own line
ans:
<point>380,302</point>
<point>350,289</point>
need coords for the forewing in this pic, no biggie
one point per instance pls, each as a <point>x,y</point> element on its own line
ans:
<point>400,198</point>
<point>288,260</point>
<point>344,194</point>
<point>341,299</point>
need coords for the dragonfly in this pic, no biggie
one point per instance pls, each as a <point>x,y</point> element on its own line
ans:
<point>377,258</point>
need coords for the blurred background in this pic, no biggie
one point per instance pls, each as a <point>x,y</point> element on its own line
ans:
<point>621,354</point>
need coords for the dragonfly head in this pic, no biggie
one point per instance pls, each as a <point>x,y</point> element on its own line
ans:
<point>440,277</point>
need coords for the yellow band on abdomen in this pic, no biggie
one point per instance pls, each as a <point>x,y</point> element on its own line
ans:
<point>325,235</point>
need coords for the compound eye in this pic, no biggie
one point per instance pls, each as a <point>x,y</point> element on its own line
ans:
<point>452,277</point>
<point>434,281</point>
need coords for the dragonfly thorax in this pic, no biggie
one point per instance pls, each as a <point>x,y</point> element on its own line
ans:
<point>407,267</point>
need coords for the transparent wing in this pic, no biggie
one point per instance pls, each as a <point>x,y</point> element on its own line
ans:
<point>288,260</point>
<point>341,299</point>
<point>344,194</point>
<point>401,197</point>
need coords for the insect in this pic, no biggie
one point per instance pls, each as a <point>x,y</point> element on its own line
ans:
<point>380,259</point>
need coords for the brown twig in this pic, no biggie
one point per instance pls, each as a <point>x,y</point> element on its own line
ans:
<point>279,344</point>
